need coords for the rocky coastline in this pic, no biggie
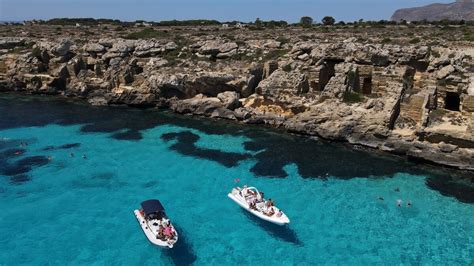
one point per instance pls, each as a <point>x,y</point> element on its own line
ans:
<point>415,100</point>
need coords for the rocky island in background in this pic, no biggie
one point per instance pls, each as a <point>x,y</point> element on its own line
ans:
<point>404,89</point>
<point>459,10</point>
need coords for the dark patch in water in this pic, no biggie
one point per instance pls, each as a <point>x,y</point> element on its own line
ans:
<point>461,189</point>
<point>182,253</point>
<point>11,153</point>
<point>128,135</point>
<point>20,179</point>
<point>24,165</point>
<point>62,147</point>
<point>273,151</point>
<point>104,176</point>
<point>12,162</point>
<point>316,160</point>
<point>186,145</point>
<point>284,233</point>
<point>150,184</point>
<point>94,119</point>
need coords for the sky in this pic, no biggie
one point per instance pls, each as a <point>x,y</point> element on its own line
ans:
<point>222,10</point>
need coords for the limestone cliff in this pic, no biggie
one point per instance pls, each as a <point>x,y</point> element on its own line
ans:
<point>413,100</point>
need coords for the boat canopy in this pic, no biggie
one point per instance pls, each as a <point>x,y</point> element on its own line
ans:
<point>153,209</point>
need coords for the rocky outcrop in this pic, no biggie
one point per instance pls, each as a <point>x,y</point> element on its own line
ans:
<point>412,100</point>
<point>459,10</point>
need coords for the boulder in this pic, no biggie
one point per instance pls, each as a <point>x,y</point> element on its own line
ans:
<point>62,48</point>
<point>11,42</point>
<point>445,71</point>
<point>97,101</point>
<point>268,68</point>
<point>94,48</point>
<point>380,59</point>
<point>446,148</point>
<point>216,47</point>
<point>199,105</point>
<point>279,82</point>
<point>223,113</point>
<point>230,99</point>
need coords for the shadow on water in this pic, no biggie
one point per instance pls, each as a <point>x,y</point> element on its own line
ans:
<point>272,150</point>
<point>284,233</point>
<point>182,253</point>
<point>460,188</point>
<point>185,145</point>
<point>15,165</point>
<point>62,147</point>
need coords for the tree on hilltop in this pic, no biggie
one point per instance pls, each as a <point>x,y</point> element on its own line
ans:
<point>306,21</point>
<point>327,20</point>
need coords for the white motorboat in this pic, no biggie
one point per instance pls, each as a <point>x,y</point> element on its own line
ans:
<point>155,224</point>
<point>252,200</point>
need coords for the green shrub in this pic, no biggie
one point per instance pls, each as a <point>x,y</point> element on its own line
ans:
<point>352,97</point>
<point>287,68</point>
<point>415,40</point>
<point>351,76</point>
<point>386,40</point>
<point>275,54</point>
<point>435,54</point>
<point>147,33</point>
<point>282,40</point>
<point>36,52</point>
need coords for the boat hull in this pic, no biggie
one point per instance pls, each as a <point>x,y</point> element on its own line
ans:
<point>151,237</point>
<point>282,220</point>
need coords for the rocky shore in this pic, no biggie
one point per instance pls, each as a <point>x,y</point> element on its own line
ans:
<point>415,100</point>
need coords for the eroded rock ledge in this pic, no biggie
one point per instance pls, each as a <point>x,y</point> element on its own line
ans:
<point>416,101</point>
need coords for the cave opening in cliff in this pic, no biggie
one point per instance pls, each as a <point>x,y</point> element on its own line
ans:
<point>367,86</point>
<point>327,72</point>
<point>452,101</point>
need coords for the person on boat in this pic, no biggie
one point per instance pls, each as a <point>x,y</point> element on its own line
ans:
<point>252,205</point>
<point>271,211</point>
<point>269,203</point>
<point>161,234</point>
<point>280,213</point>
<point>142,213</point>
<point>168,232</point>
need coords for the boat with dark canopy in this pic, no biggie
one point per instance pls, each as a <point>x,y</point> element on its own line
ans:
<point>155,224</point>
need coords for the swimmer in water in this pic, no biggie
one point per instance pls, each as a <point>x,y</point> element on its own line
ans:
<point>399,202</point>
<point>397,189</point>
<point>409,204</point>
<point>71,154</point>
<point>84,156</point>
<point>381,198</point>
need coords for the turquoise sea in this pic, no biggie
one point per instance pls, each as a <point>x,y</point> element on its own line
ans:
<point>70,210</point>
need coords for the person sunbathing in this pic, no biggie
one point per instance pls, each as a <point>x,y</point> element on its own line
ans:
<point>270,212</point>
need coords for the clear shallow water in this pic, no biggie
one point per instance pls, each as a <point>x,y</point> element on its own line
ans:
<point>72,210</point>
